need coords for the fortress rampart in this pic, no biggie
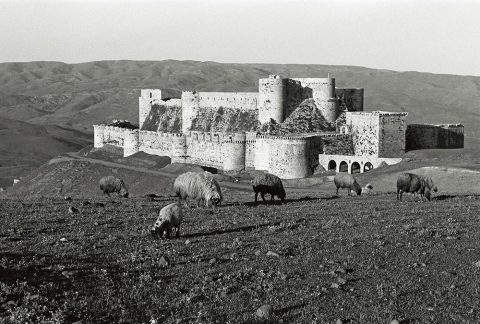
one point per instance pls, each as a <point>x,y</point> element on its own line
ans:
<point>420,136</point>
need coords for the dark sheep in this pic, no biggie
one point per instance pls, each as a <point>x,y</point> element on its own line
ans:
<point>413,183</point>
<point>345,180</point>
<point>110,184</point>
<point>268,184</point>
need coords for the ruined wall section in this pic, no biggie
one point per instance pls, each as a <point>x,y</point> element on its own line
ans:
<point>419,136</point>
<point>365,131</point>
<point>350,99</point>
<point>164,116</point>
<point>339,144</point>
<point>392,128</point>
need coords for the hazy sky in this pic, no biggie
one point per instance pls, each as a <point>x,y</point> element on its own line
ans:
<point>429,36</point>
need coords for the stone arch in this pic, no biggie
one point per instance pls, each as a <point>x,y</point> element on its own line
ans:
<point>355,168</point>
<point>367,167</point>
<point>332,165</point>
<point>343,167</point>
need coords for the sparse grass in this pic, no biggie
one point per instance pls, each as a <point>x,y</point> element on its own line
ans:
<point>411,261</point>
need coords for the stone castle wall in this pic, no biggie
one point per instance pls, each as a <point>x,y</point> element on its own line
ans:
<point>163,144</point>
<point>392,135</point>
<point>233,100</point>
<point>420,136</point>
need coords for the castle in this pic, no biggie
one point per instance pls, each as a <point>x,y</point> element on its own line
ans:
<point>357,141</point>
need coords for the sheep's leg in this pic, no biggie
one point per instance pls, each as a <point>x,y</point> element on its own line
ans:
<point>349,191</point>
<point>177,234</point>
<point>168,233</point>
<point>272,197</point>
<point>398,190</point>
<point>401,194</point>
<point>256,194</point>
<point>337,190</point>
<point>263,196</point>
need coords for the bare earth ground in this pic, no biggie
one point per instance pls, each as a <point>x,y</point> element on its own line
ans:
<point>365,259</point>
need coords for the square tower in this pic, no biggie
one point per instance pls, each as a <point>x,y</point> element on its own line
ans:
<point>378,133</point>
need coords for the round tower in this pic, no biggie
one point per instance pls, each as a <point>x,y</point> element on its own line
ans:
<point>325,99</point>
<point>271,97</point>
<point>288,158</point>
<point>190,105</point>
<point>234,153</point>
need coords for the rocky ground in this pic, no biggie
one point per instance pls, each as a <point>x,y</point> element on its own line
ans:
<point>317,258</point>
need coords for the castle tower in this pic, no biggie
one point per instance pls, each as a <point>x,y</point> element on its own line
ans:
<point>145,103</point>
<point>234,152</point>
<point>271,96</point>
<point>190,106</point>
<point>325,99</point>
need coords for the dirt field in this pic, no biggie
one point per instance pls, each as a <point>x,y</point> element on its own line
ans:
<point>315,259</point>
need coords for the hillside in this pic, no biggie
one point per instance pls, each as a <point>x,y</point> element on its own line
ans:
<point>75,96</point>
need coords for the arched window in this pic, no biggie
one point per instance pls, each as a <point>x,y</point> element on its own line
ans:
<point>367,167</point>
<point>355,167</point>
<point>343,166</point>
<point>332,165</point>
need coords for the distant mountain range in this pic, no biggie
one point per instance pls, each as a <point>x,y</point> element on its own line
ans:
<point>57,103</point>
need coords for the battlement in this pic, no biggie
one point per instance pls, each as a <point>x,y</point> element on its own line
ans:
<point>377,113</point>
<point>161,134</point>
<point>106,128</point>
<point>284,138</point>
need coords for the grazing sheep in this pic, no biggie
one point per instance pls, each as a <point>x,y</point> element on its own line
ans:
<point>413,183</point>
<point>198,186</point>
<point>111,184</point>
<point>345,180</point>
<point>268,184</point>
<point>170,217</point>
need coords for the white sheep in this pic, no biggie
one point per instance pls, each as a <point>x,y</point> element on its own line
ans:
<point>198,186</point>
<point>345,180</point>
<point>170,217</point>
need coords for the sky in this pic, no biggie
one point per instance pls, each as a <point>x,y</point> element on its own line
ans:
<point>426,36</point>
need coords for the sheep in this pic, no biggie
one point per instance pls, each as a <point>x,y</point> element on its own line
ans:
<point>170,217</point>
<point>345,180</point>
<point>110,184</point>
<point>198,186</point>
<point>413,183</point>
<point>267,183</point>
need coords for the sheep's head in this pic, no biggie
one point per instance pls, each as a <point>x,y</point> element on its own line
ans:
<point>428,194</point>
<point>431,185</point>
<point>215,199</point>
<point>282,195</point>
<point>357,188</point>
<point>158,229</point>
